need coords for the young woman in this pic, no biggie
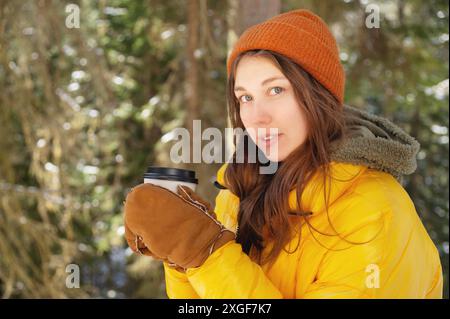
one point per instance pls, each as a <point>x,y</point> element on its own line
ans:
<point>333,220</point>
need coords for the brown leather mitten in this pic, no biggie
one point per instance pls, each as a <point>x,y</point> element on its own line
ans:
<point>180,229</point>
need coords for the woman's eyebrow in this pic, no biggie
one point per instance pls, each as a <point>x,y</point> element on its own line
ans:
<point>240,88</point>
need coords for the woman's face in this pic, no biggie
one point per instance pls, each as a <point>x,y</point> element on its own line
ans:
<point>267,100</point>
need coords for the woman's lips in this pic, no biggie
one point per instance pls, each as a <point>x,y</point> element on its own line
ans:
<point>269,140</point>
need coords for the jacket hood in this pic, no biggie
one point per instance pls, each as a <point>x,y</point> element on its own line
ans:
<point>377,143</point>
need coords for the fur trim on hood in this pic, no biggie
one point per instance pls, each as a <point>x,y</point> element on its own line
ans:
<point>377,143</point>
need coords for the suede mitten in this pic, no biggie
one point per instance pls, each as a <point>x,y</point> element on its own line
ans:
<point>180,229</point>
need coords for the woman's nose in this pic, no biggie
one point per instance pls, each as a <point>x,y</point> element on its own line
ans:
<point>260,115</point>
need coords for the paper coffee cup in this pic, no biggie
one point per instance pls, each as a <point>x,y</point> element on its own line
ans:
<point>170,178</point>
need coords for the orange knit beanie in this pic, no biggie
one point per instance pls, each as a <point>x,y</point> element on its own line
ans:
<point>303,37</point>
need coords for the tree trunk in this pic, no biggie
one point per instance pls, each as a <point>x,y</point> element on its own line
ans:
<point>255,11</point>
<point>243,14</point>
<point>192,64</point>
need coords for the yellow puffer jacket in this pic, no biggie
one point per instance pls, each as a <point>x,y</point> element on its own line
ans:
<point>399,259</point>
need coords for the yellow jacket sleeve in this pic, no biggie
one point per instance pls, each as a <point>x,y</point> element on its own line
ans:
<point>177,284</point>
<point>229,273</point>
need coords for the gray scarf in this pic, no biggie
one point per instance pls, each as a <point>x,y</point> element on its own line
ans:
<point>377,143</point>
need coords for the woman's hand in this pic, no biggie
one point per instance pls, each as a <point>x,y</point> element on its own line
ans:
<point>180,229</point>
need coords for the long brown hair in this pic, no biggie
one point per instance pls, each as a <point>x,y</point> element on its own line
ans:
<point>264,206</point>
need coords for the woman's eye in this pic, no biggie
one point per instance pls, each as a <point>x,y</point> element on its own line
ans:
<point>276,89</point>
<point>243,98</point>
